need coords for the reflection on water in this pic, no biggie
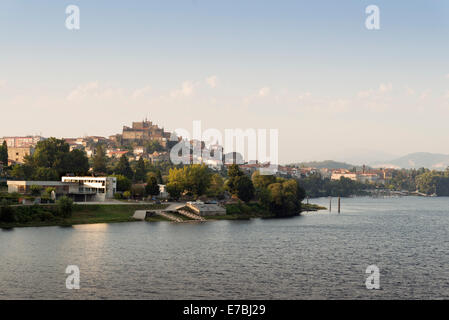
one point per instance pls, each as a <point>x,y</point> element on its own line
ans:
<point>319,255</point>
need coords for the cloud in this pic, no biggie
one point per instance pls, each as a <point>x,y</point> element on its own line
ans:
<point>447,76</point>
<point>187,89</point>
<point>383,89</point>
<point>94,90</point>
<point>2,83</point>
<point>141,92</point>
<point>212,81</point>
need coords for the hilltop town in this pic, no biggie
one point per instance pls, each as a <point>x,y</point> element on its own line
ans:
<point>135,165</point>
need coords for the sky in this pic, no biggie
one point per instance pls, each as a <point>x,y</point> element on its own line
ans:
<point>311,69</point>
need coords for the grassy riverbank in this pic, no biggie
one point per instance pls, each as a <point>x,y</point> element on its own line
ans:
<point>45,215</point>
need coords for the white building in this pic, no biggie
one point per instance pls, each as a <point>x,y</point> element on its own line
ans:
<point>78,188</point>
<point>101,188</point>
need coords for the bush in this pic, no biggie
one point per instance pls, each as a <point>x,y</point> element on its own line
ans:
<point>6,212</point>
<point>65,207</point>
<point>35,190</point>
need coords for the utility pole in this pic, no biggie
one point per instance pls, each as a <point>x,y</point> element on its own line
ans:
<point>338,204</point>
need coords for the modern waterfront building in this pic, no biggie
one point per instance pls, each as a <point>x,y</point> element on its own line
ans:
<point>78,188</point>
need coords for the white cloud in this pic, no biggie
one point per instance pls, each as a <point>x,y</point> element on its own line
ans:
<point>187,89</point>
<point>383,89</point>
<point>94,90</point>
<point>141,92</point>
<point>212,81</point>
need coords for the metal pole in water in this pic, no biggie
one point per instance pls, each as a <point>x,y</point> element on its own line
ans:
<point>330,204</point>
<point>339,204</point>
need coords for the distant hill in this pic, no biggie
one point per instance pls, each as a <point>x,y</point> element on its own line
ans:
<point>330,164</point>
<point>435,161</point>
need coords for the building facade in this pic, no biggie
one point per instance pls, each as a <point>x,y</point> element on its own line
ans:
<point>78,188</point>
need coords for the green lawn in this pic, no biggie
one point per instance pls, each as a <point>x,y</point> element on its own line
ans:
<point>87,214</point>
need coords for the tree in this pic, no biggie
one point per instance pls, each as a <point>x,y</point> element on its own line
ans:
<point>65,206</point>
<point>244,188</point>
<point>35,190</point>
<point>174,189</point>
<point>123,167</point>
<point>123,183</point>
<point>216,188</point>
<point>100,161</point>
<point>54,154</point>
<point>77,163</point>
<point>45,174</point>
<point>139,175</point>
<point>284,198</point>
<point>138,191</point>
<point>233,173</point>
<point>6,212</point>
<point>152,187</point>
<point>197,179</point>
<point>153,146</point>
<point>4,153</point>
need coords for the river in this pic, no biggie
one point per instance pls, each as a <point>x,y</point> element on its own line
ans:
<point>314,256</point>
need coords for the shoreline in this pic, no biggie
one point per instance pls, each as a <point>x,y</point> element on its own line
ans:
<point>123,212</point>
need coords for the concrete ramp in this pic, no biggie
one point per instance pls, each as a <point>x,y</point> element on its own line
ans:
<point>140,215</point>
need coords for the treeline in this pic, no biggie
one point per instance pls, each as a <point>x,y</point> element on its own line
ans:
<point>279,196</point>
<point>35,213</point>
<point>51,160</point>
<point>316,186</point>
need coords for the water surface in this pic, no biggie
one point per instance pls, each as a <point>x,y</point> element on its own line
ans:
<point>315,256</point>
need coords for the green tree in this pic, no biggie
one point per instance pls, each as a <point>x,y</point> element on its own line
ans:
<point>174,189</point>
<point>261,181</point>
<point>140,173</point>
<point>77,163</point>
<point>284,198</point>
<point>138,191</point>
<point>152,187</point>
<point>216,188</point>
<point>123,183</point>
<point>244,188</point>
<point>6,212</point>
<point>65,206</point>
<point>4,153</point>
<point>197,179</point>
<point>123,167</point>
<point>35,190</point>
<point>233,173</point>
<point>100,160</point>
<point>153,146</point>
<point>45,174</point>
